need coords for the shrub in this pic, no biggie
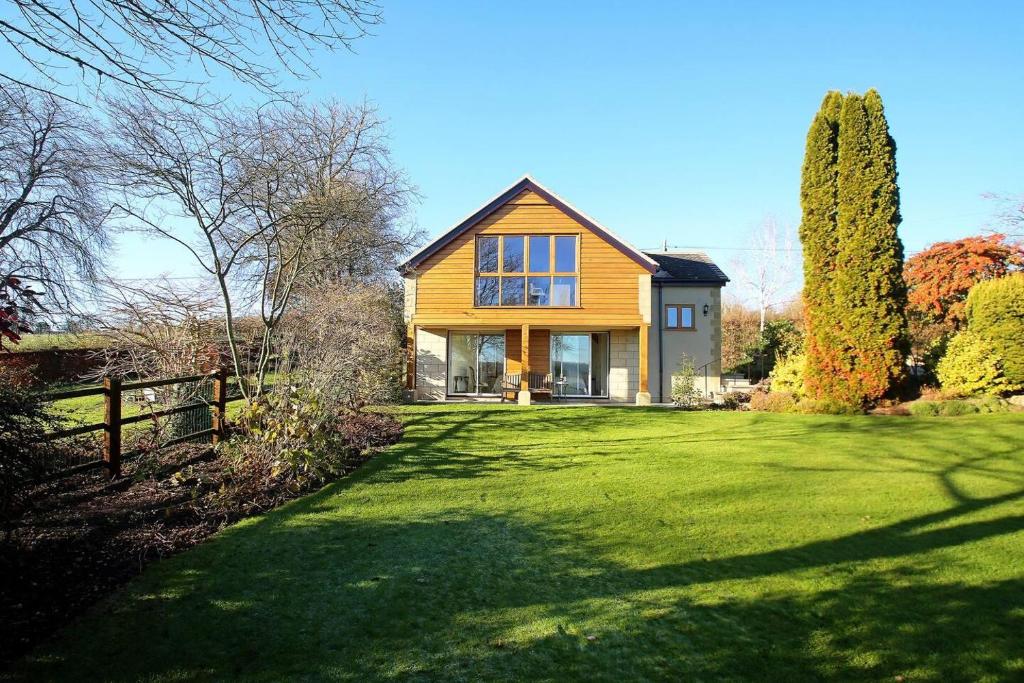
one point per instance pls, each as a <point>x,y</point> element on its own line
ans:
<point>992,404</point>
<point>788,374</point>
<point>995,311</point>
<point>773,401</point>
<point>288,441</point>
<point>734,399</point>
<point>24,419</point>
<point>972,365</point>
<point>825,407</point>
<point>955,408</point>
<point>924,408</point>
<point>289,433</point>
<point>345,342</point>
<point>684,384</point>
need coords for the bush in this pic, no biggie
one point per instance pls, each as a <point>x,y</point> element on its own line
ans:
<point>684,384</point>
<point>992,404</point>
<point>345,342</point>
<point>995,311</point>
<point>956,407</point>
<point>24,419</point>
<point>924,408</point>
<point>972,365</point>
<point>788,374</point>
<point>825,407</point>
<point>773,401</point>
<point>734,399</point>
<point>288,441</point>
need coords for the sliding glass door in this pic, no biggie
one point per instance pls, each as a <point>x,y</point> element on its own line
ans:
<point>476,363</point>
<point>579,364</point>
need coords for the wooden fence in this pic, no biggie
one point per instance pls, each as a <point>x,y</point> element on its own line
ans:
<point>113,392</point>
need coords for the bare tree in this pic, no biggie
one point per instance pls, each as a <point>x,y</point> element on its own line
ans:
<point>52,216</point>
<point>250,194</point>
<point>768,267</point>
<point>169,49</point>
<point>1010,215</point>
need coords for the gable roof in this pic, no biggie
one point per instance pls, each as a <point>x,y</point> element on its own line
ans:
<point>694,267</point>
<point>527,183</point>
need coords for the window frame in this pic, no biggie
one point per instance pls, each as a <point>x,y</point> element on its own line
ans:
<point>551,273</point>
<point>679,317</point>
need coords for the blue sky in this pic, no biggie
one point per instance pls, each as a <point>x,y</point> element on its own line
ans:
<point>681,121</point>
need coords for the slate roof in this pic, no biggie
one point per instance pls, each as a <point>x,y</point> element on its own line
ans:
<point>686,267</point>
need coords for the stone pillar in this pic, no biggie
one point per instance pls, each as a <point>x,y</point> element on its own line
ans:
<point>524,377</point>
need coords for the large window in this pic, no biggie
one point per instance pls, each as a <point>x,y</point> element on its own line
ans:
<point>534,270</point>
<point>579,364</point>
<point>476,363</point>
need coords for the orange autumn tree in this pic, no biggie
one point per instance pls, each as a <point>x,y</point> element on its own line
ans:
<point>939,278</point>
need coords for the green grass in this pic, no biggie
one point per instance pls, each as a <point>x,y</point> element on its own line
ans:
<point>605,544</point>
<point>60,340</point>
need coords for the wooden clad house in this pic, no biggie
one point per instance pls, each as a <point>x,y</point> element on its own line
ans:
<point>530,298</point>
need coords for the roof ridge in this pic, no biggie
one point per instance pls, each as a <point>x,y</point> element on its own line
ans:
<point>526,182</point>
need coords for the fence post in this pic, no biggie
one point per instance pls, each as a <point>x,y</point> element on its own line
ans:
<point>220,399</point>
<point>112,426</point>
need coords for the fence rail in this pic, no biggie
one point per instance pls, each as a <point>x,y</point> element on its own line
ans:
<point>113,390</point>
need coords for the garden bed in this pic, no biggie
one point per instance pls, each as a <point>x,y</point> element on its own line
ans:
<point>85,535</point>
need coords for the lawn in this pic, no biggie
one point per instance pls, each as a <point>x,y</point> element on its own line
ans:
<point>60,340</point>
<point>605,544</point>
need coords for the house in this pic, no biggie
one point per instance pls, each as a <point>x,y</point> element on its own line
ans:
<point>529,297</point>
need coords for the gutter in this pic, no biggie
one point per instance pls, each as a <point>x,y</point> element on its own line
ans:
<point>661,373</point>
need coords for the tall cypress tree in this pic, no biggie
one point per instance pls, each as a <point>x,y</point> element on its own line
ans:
<point>856,323</point>
<point>819,202</point>
<point>888,290</point>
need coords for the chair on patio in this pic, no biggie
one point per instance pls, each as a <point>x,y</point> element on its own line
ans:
<point>540,384</point>
<point>507,384</point>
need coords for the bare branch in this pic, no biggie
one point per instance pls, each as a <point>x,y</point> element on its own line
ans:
<point>153,48</point>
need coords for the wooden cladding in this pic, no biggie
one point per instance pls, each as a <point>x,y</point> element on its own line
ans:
<point>539,350</point>
<point>607,291</point>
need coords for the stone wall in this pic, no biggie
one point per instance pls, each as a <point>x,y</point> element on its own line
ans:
<point>431,364</point>
<point>624,378</point>
<point>703,345</point>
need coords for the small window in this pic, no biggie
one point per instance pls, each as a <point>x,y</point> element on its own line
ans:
<point>487,254</point>
<point>679,317</point>
<point>540,254</point>
<point>513,254</point>
<point>565,254</point>
<point>513,290</point>
<point>539,291</point>
<point>487,291</point>
<point>563,293</point>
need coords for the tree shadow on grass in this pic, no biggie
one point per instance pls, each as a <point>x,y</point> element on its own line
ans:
<point>308,593</point>
<point>474,443</point>
<point>469,597</point>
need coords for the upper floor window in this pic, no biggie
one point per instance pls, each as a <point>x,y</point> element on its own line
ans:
<point>679,317</point>
<point>535,270</point>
